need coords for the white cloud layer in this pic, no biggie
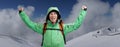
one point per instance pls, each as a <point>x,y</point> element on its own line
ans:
<point>13,28</point>
<point>99,15</point>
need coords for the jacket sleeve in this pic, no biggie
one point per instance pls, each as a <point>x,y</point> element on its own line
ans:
<point>75,25</point>
<point>34,26</point>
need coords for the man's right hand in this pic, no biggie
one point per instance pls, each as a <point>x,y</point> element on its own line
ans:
<point>21,9</point>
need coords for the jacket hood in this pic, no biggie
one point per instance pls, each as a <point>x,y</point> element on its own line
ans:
<point>53,9</point>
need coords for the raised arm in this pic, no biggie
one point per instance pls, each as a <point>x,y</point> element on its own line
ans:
<point>34,26</point>
<point>75,25</point>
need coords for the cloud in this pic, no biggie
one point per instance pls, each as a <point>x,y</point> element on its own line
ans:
<point>116,15</point>
<point>29,10</point>
<point>99,15</point>
<point>12,27</point>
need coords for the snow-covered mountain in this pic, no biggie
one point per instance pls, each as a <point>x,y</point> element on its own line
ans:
<point>106,37</point>
<point>12,41</point>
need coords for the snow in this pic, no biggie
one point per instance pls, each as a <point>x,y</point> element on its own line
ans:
<point>89,40</point>
<point>12,41</point>
<point>6,42</point>
<point>98,38</point>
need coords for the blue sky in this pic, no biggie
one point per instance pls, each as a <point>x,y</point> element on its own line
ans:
<point>41,6</point>
<point>111,2</point>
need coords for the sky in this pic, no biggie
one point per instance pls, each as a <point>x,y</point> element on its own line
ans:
<point>100,14</point>
<point>41,6</point>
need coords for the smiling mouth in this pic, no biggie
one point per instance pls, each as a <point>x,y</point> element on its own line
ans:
<point>53,18</point>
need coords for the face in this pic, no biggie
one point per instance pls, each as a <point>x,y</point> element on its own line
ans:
<point>53,17</point>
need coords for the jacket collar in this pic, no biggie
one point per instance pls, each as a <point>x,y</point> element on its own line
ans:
<point>51,24</point>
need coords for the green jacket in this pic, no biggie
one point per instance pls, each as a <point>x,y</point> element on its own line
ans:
<point>53,38</point>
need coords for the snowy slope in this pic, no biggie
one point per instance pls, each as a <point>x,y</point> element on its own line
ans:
<point>12,41</point>
<point>100,38</point>
<point>90,40</point>
<point>6,42</point>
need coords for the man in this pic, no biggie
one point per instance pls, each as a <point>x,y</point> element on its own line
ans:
<point>53,30</point>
